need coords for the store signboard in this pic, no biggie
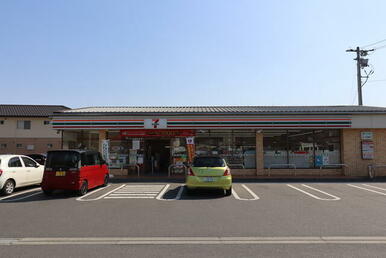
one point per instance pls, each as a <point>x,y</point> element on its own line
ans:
<point>367,136</point>
<point>155,123</point>
<point>367,150</point>
<point>149,133</point>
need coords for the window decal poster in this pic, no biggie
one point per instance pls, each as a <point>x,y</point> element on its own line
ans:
<point>367,150</point>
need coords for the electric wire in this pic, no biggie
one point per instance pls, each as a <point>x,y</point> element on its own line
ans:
<point>383,40</point>
<point>380,47</point>
<point>367,78</point>
<point>374,81</point>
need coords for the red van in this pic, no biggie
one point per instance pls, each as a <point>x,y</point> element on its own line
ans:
<point>76,170</point>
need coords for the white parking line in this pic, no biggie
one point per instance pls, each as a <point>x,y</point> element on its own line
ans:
<point>334,198</point>
<point>132,191</point>
<point>376,187</point>
<point>100,197</point>
<point>255,197</point>
<point>178,196</point>
<point>20,193</point>
<point>131,194</point>
<point>159,196</point>
<point>21,198</point>
<point>128,197</point>
<point>366,189</point>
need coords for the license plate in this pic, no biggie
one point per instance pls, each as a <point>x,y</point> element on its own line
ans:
<point>208,179</point>
<point>60,173</point>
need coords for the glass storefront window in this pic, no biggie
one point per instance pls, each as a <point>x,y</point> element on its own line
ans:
<point>237,147</point>
<point>327,147</point>
<point>81,140</point>
<point>119,151</point>
<point>303,148</point>
<point>126,152</point>
<point>275,148</point>
<point>300,148</point>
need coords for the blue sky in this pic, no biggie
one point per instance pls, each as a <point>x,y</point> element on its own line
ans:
<point>178,53</point>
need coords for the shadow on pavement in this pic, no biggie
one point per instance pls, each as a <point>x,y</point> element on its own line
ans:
<point>203,194</point>
<point>38,195</point>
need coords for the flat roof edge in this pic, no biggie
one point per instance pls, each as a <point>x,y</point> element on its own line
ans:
<point>214,114</point>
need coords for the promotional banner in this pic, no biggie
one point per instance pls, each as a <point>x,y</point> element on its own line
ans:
<point>191,148</point>
<point>105,150</point>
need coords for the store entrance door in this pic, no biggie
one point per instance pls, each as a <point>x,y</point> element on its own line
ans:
<point>157,156</point>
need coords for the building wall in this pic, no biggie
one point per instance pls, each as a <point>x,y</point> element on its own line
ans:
<point>39,136</point>
<point>352,153</point>
<point>38,128</point>
<point>40,145</point>
<point>375,121</point>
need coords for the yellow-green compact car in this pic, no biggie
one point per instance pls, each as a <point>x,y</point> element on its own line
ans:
<point>209,172</point>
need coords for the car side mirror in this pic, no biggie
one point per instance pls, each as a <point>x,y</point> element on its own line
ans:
<point>37,165</point>
<point>103,162</point>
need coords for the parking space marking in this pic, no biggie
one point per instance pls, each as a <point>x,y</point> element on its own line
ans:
<point>334,198</point>
<point>366,189</point>
<point>255,197</point>
<point>100,197</point>
<point>129,197</point>
<point>376,187</point>
<point>159,196</point>
<point>21,198</point>
<point>149,191</point>
<point>4,199</point>
<point>178,196</point>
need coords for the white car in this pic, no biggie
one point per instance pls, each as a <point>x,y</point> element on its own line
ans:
<point>17,171</point>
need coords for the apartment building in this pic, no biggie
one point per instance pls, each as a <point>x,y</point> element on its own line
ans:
<point>26,129</point>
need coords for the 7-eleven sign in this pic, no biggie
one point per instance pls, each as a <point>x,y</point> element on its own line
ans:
<point>155,123</point>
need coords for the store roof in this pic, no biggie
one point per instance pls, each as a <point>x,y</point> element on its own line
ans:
<point>218,110</point>
<point>29,110</point>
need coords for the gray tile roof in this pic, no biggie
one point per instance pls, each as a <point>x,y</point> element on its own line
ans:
<point>29,110</point>
<point>225,110</point>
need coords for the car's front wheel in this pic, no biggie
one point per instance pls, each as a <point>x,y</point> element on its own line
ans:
<point>8,187</point>
<point>228,192</point>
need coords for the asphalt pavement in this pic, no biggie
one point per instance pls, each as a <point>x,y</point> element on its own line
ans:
<point>154,219</point>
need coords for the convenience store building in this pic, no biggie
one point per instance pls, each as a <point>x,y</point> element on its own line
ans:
<point>274,141</point>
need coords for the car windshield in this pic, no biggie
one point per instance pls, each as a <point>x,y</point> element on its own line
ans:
<point>208,162</point>
<point>68,159</point>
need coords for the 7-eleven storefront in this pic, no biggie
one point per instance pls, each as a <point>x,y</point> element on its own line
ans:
<point>153,143</point>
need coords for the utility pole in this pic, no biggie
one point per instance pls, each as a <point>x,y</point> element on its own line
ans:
<point>361,63</point>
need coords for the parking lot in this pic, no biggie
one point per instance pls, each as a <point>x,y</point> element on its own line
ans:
<point>342,192</point>
<point>162,213</point>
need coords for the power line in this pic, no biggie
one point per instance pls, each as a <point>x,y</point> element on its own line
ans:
<point>383,40</point>
<point>376,48</point>
<point>376,81</point>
